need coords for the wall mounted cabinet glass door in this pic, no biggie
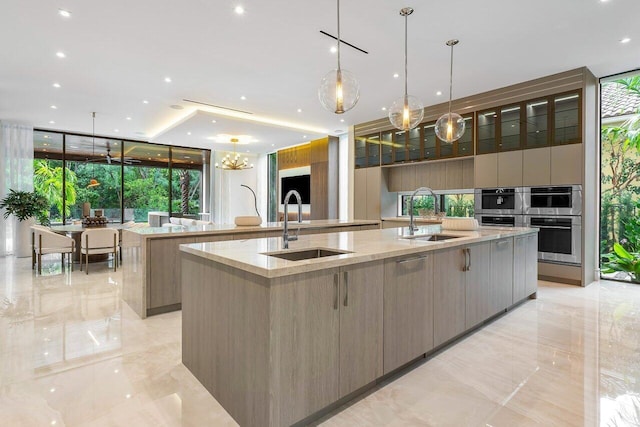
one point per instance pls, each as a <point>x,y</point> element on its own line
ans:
<point>537,123</point>
<point>487,135</point>
<point>429,141</point>
<point>567,118</point>
<point>465,143</point>
<point>367,151</point>
<point>386,147</point>
<point>360,152</point>
<point>413,144</point>
<point>510,128</point>
<point>399,146</point>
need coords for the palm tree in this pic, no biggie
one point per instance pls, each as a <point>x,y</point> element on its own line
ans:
<point>48,182</point>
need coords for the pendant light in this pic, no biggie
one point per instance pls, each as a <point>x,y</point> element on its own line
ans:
<point>234,163</point>
<point>93,182</point>
<point>407,112</point>
<point>450,126</point>
<point>339,90</point>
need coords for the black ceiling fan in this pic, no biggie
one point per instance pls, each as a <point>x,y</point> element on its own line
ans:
<point>109,158</point>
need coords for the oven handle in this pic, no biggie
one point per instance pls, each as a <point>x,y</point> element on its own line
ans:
<point>550,194</point>
<point>552,226</point>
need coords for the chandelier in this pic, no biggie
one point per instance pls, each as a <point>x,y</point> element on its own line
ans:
<point>234,163</point>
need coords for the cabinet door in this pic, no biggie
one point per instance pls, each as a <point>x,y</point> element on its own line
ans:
<point>448,295</point>
<point>408,178</point>
<point>501,283</point>
<point>165,272</point>
<point>453,180</point>
<point>361,325</point>
<point>305,322</point>
<point>510,169</point>
<point>536,166</point>
<point>531,264</point>
<point>408,309</point>
<point>374,175</point>
<point>486,170</point>
<point>360,194</point>
<point>477,285</point>
<point>566,164</point>
<point>519,268</point>
<point>468,173</point>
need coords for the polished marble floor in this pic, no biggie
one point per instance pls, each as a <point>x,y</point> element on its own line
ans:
<point>73,354</point>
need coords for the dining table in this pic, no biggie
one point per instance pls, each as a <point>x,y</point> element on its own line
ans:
<point>75,232</point>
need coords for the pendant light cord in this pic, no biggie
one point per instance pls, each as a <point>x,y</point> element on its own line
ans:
<point>451,81</point>
<point>405,57</point>
<point>338,1</point>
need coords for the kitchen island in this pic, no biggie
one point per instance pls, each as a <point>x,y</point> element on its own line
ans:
<point>151,258</point>
<point>279,341</point>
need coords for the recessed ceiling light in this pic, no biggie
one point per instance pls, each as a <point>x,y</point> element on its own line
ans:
<point>61,55</point>
<point>53,107</point>
<point>239,10</point>
<point>384,108</point>
<point>145,101</point>
<point>51,122</point>
<point>64,13</point>
<point>213,121</point>
<point>128,118</point>
<point>188,133</point>
<point>396,75</point>
<point>438,93</point>
<point>247,151</point>
<point>333,49</point>
<point>116,130</point>
<point>299,110</point>
<point>243,97</point>
<point>56,85</point>
<point>273,145</point>
<point>625,40</point>
<point>46,137</point>
<point>167,79</point>
<point>342,120</point>
<point>304,136</point>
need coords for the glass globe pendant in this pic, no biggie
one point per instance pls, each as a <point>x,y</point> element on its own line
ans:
<point>407,112</point>
<point>450,126</point>
<point>339,90</point>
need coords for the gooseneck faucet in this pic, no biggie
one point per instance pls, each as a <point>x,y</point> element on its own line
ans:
<point>285,235</point>
<point>412,226</point>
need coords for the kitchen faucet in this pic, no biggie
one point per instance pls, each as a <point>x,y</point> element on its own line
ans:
<point>285,235</point>
<point>412,226</point>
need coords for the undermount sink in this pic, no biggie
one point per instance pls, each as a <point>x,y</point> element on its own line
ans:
<point>432,237</point>
<point>306,254</point>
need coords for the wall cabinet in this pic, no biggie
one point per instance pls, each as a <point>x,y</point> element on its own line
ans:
<point>510,169</point>
<point>449,175</point>
<point>408,309</point>
<point>501,282</point>
<point>566,164</point>
<point>486,170</point>
<point>367,151</point>
<point>366,196</point>
<point>536,166</point>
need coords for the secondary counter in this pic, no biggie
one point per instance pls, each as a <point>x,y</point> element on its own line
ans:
<point>151,257</point>
<point>281,342</point>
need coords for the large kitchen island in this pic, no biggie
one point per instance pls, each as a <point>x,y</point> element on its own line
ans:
<point>279,336</point>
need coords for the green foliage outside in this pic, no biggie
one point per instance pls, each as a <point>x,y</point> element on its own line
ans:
<point>620,201</point>
<point>145,189</point>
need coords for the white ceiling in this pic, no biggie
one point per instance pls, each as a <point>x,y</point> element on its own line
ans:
<point>119,52</point>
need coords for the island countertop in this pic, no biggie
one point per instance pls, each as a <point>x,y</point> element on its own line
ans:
<point>362,246</point>
<point>212,229</point>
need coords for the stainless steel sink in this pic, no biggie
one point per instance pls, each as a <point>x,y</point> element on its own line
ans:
<point>433,237</point>
<point>306,254</point>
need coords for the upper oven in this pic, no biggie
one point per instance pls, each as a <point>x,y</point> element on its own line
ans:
<point>555,200</point>
<point>499,201</point>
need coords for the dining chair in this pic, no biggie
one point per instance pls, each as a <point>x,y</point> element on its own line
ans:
<point>99,241</point>
<point>48,242</point>
<point>34,229</point>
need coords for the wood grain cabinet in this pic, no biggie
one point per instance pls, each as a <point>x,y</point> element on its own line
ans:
<point>408,309</point>
<point>525,266</point>
<point>166,289</point>
<point>448,294</point>
<point>477,279</point>
<point>486,170</point>
<point>501,283</point>
<point>366,196</point>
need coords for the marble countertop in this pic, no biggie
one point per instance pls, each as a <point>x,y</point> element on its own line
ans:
<point>418,219</point>
<point>363,246</point>
<point>196,230</point>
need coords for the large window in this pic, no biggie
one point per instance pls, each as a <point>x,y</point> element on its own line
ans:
<point>134,177</point>
<point>453,203</point>
<point>620,178</point>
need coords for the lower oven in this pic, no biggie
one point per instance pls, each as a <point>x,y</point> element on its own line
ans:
<point>500,220</point>
<point>559,238</point>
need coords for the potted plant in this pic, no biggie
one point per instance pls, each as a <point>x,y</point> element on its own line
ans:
<point>26,206</point>
<point>622,260</point>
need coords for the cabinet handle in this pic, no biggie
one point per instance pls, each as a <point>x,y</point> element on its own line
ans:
<point>418,258</point>
<point>346,289</point>
<point>335,291</point>
<point>464,252</point>
<point>502,242</point>
<point>469,264</point>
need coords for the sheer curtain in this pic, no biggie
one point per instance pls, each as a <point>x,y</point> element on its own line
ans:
<point>16,171</point>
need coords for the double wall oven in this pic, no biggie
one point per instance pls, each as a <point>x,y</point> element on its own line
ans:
<point>499,207</point>
<point>555,210</point>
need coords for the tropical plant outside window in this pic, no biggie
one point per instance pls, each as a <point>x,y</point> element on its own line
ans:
<point>620,180</point>
<point>459,205</point>
<point>135,177</point>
